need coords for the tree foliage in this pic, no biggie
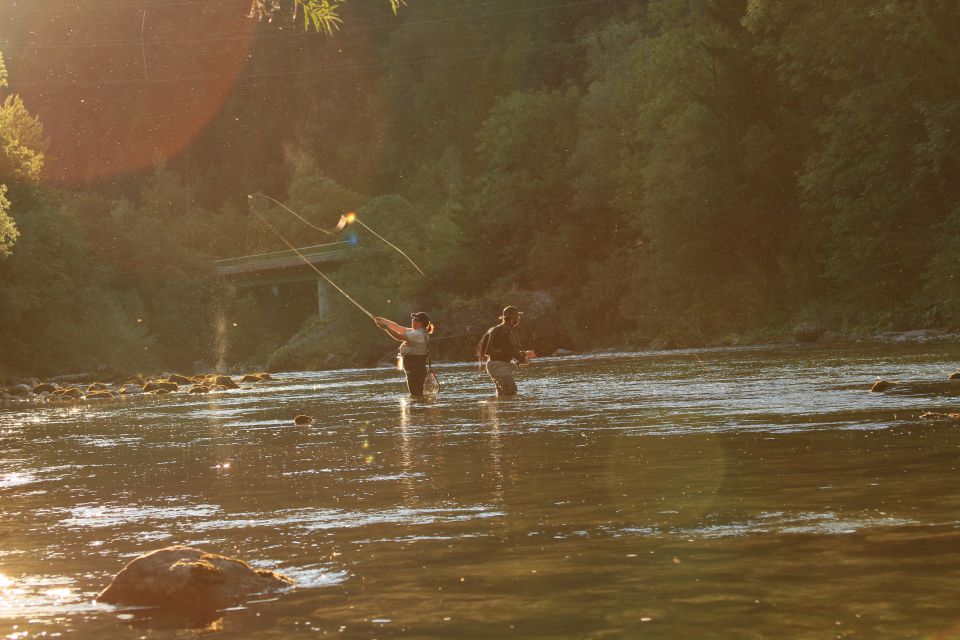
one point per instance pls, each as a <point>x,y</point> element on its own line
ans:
<point>321,15</point>
<point>22,144</point>
<point>626,170</point>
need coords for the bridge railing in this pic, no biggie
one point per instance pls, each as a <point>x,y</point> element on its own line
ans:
<point>281,260</point>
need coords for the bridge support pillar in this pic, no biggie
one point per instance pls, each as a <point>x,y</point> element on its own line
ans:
<point>323,305</point>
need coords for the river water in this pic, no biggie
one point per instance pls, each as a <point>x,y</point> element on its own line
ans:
<point>752,493</point>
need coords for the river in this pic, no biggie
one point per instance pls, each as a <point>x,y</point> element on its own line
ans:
<point>737,493</point>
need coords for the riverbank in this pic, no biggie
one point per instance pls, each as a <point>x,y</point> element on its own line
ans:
<point>85,387</point>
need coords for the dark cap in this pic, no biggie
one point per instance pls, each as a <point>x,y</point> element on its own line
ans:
<point>511,312</point>
<point>420,316</point>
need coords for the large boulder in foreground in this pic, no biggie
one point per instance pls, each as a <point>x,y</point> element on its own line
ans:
<point>186,578</point>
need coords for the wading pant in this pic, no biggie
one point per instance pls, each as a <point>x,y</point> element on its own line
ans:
<point>502,375</point>
<point>416,369</point>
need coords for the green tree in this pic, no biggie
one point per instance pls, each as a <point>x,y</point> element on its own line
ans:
<point>21,155</point>
<point>22,144</point>
<point>878,186</point>
<point>322,15</point>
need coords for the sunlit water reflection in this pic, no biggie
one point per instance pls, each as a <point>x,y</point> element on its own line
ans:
<point>739,493</point>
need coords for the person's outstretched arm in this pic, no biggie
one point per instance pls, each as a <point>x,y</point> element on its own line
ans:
<point>392,329</point>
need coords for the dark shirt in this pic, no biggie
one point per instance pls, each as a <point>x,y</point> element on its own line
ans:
<point>501,343</point>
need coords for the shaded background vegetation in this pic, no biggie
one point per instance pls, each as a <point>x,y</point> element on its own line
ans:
<point>627,170</point>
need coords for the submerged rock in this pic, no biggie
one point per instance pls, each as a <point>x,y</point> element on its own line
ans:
<point>199,389</point>
<point>99,395</point>
<point>302,420</point>
<point>918,387</point>
<point>97,386</point>
<point>955,375</point>
<point>186,578</point>
<point>45,387</point>
<point>179,379</point>
<point>131,389</point>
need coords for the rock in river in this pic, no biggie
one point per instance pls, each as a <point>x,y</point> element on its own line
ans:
<point>161,384</point>
<point>223,381</point>
<point>256,377</point>
<point>918,387</point>
<point>20,390</point>
<point>187,578</point>
<point>71,393</point>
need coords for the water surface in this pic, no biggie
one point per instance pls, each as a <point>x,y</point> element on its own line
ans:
<point>752,493</point>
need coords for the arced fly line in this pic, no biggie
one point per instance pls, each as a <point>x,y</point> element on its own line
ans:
<point>306,261</point>
<point>297,215</point>
<point>351,217</point>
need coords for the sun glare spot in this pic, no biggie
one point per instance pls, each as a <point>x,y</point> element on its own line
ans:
<point>59,594</point>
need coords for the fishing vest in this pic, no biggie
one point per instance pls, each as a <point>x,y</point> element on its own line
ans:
<point>496,343</point>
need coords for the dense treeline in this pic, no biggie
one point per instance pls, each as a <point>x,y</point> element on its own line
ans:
<point>680,170</point>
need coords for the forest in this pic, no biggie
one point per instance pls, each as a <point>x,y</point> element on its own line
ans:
<point>631,173</point>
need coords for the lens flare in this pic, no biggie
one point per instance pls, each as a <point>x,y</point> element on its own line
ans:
<point>139,83</point>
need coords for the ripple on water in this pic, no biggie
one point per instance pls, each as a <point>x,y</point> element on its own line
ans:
<point>95,516</point>
<point>726,453</point>
<point>826,523</point>
<point>321,519</point>
<point>29,596</point>
<point>17,479</point>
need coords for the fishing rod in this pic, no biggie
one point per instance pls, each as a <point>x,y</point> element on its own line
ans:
<point>308,263</point>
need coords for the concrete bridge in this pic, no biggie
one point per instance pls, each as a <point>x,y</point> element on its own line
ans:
<point>284,267</point>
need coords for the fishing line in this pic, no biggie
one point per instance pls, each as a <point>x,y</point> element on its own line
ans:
<point>351,217</point>
<point>299,217</point>
<point>308,263</point>
<point>392,245</point>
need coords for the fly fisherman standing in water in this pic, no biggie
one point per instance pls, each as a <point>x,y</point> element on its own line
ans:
<point>415,349</point>
<point>499,348</point>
